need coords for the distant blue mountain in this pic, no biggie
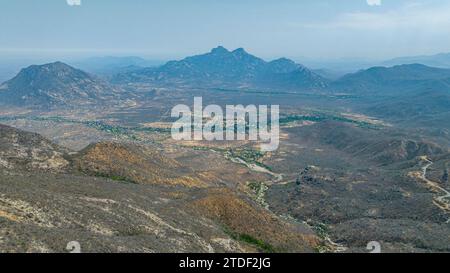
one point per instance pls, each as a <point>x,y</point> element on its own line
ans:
<point>224,68</point>
<point>329,73</point>
<point>439,60</point>
<point>401,79</point>
<point>402,92</point>
<point>109,65</point>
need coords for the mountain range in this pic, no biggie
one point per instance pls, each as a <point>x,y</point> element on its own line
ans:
<point>60,85</point>
<point>441,60</point>
<point>401,79</point>
<point>111,65</point>
<point>413,93</point>
<point>224,68</point>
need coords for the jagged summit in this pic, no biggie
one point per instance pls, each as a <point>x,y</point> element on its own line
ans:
<point>223,50</point>
<point>239,51</point>
<point>220,50</point>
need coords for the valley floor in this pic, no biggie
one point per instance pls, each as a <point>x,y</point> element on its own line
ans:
<point>338,181</point>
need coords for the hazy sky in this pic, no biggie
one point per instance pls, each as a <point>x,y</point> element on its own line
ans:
<point>373,29</point>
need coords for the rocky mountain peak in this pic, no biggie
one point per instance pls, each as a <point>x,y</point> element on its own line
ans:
<point>55,84</point>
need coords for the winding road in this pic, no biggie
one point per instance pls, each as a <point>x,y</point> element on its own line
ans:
<point>441,201</point>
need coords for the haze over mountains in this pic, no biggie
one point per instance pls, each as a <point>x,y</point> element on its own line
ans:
<point>58,84</point>
<point>398,92</point>
<point>110,65</point>
<point>441,60</point>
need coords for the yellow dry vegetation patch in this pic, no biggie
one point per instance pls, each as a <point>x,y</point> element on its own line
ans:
<point>138,164</point>
<point>243,218</point>
<point>107,152</point>
<point>187,181</point>
<point>9,216</point>
<point>415,174</point>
